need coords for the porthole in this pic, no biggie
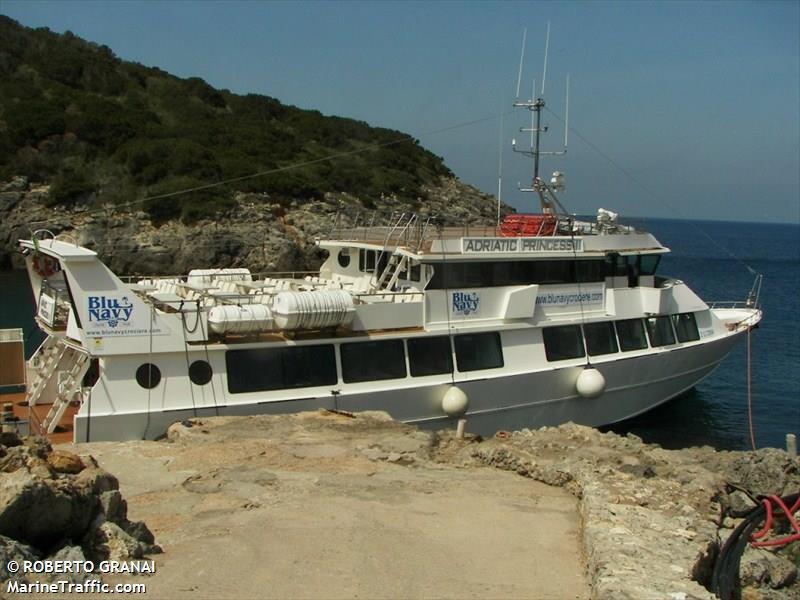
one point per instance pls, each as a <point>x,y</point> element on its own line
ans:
<point>200,372</point>
<point>148,376</point>
<point>344,257</point>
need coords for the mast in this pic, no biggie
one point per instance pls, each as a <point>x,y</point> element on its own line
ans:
<point>537,184</point>
<point>547,198</point>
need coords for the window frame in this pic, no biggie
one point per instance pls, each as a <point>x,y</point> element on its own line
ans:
<point>348,371</point>
<point>695,337</point>
<point>653,332</point>
<point>458,341</point>
<point>412,363</point>
<point>234,366</point>
<point>643,330</point>
<point>549,347</point>
<point>609,326</point>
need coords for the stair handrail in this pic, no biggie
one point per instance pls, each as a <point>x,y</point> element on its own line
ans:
<point>383,250</point>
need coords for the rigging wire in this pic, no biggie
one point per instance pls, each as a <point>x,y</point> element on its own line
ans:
<point>652,194</point>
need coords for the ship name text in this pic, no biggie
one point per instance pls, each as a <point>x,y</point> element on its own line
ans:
<point>509,245</point>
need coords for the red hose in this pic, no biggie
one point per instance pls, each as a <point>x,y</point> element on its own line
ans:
<point>788,513</point>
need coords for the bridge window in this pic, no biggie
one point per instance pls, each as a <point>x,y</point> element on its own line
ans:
<point>430,356</point>
<point>686,327</point>
<point>631,335</point>
<point>373,361</point>
<point>366,260</point>
<point>262,369</point>
<point>648,264</point>
<point>659,330</point>
<point>476,351</point>
<point>563,342</point>
<point>600,338</point>
<point>415,272</point>
<point>453,275</point>
<point>372,261</point>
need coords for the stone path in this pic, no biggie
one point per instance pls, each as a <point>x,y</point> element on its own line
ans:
<point>315,506</point>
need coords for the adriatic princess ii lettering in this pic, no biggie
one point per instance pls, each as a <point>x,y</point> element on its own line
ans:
<point>490,244</point>
<point>466,303</point>
<point>533,244</point>
<point>110,310</point>
<point>551,244</point>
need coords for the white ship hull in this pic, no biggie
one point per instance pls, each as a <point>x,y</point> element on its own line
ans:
<point>531,399</point>
<point>508,322</point>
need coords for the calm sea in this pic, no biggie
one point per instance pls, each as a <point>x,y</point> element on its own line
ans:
<point>715,412</point>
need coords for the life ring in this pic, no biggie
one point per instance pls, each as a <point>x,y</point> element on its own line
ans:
<point>45,266</point>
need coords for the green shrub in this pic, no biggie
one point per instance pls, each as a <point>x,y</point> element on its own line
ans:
<point>70,186</point>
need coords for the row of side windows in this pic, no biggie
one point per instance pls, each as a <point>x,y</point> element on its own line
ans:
<point>448,275</point>
<point>263,369</point>
<point>607,337</point>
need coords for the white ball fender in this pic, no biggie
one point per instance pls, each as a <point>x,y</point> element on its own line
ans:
<point>455,402</point>
<point>590,383</point>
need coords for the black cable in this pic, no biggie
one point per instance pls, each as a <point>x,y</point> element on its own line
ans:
<point>725,578</point>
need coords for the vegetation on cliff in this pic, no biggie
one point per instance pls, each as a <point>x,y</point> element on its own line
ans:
<point>103,131</point>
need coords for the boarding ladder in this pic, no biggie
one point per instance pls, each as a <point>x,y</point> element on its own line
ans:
<point>61,368</point>
<point>44,363</point>
<point>396,265</point>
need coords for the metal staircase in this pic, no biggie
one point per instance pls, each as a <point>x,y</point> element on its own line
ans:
<point>44,363</point>
<point>396,265</point>
<point>62,366</point>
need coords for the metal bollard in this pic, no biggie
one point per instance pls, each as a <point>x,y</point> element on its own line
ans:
<point>791,445</point>
<point>460,428</point>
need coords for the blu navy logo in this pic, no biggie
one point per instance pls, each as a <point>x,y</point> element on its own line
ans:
<point>465,304</point>
<point>110,310</point>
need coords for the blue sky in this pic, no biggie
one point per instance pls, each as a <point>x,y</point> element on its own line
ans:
<point>698,101</point>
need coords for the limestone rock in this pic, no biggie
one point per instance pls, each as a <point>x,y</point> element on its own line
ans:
<point>72,554</point>
<point>11,549</point>
<point>40,512</point>
<point>65,462</point>
<point>38,445</point>
<point>113,506</point>
<point>18,183</point>
<point>760,567</point>
<point>108,541</point>
<point>96,480</point>
<point>138,530</point>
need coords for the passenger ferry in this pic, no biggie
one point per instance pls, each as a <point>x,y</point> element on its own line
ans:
<point>536,320</point>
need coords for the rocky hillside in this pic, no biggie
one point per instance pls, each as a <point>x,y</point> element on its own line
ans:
<point>257,232</point>
<point>95,146</point>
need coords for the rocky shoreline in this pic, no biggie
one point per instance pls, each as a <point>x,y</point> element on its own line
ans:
<point>57,506</point>
<point>654,520</point>
<point>649,522</point>
<point>260,232</point>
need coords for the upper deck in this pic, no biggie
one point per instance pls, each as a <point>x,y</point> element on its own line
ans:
<point>517,236</point>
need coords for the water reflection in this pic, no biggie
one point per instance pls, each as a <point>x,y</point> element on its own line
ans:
<point>692,419</point>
